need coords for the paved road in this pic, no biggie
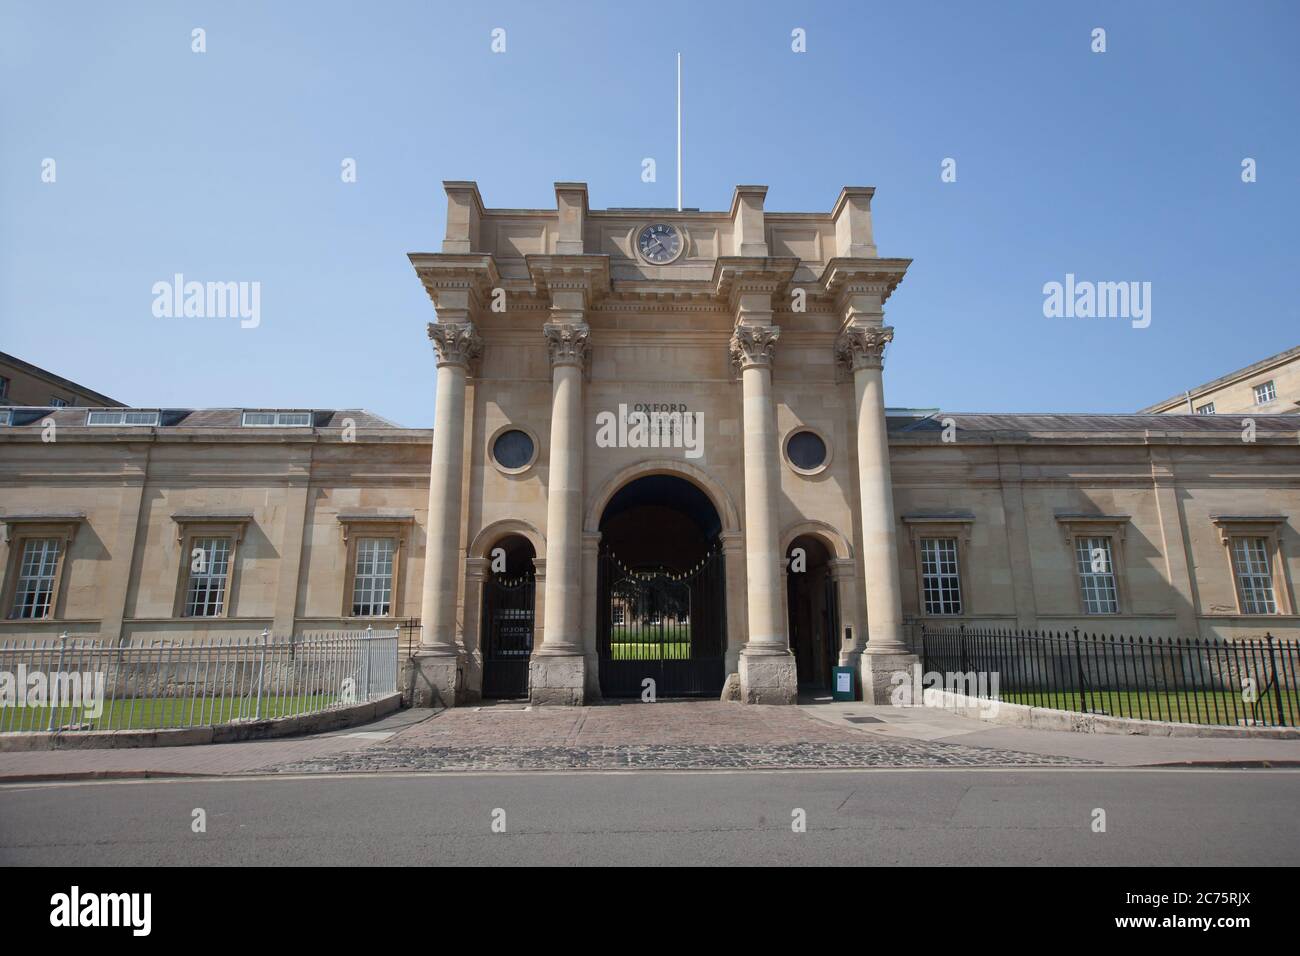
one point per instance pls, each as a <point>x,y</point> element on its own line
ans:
<point>924,816</point>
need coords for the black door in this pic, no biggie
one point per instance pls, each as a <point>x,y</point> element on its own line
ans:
<point>668,627</point>
<point>507,635</point>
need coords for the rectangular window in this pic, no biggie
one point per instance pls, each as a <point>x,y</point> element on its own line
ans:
<point>205,595</point>
<point>1206,409</point>
<point>1254,576</point>
<point>277,419</point>
<point>940,579</point>
<point>121,417</point>
<point>34,592</point>
<point>57,402</point>
<point>1096,575</point>
<point>372,585</point>
<point>1265,393</point>
<point>4,387</point>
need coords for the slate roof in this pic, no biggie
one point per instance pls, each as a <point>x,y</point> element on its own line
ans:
<point>201,417</point>
<point>1003,425</point>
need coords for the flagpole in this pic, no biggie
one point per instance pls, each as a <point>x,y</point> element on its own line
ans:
<point>679,132</point>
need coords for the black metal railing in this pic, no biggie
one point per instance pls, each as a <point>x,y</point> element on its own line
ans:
<point>1250,681</point>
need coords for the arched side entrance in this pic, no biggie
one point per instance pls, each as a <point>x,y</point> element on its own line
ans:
<point>506,620</point>
<point>813,607</point>
<point>661,591</point>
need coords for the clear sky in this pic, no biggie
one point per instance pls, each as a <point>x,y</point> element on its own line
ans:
<point>225,166</point>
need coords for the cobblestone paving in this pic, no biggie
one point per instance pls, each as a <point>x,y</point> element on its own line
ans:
<point>677,735</point>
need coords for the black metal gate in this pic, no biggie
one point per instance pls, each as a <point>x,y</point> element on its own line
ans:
<point>671,628</point>
<point>507,635</point>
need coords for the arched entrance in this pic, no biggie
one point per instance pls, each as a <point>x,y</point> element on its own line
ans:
<point>813,607</point>
<point>661,591</point>
<point>506,635</point>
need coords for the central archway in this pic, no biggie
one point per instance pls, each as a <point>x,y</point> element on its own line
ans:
<point>661,591</point>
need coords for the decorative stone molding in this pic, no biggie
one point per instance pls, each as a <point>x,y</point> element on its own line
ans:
<point>567,343</point>
<point>863,347</point>
<point>753,346</point>
<point>457,343</point>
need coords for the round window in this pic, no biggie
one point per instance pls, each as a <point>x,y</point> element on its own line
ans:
<point>513,449</point>
<point>806,451</point>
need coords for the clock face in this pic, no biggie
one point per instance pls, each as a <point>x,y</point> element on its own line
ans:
<point>659,243</point>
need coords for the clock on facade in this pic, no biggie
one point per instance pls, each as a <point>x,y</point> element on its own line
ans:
<point>659,243</point>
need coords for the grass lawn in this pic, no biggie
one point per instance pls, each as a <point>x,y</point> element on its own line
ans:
<point>1196,707</point>
<point>650,650</point>
<point>156,713</point>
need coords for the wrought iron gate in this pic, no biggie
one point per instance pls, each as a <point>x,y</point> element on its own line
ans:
<point>669,627</point>
<point>507,635</point>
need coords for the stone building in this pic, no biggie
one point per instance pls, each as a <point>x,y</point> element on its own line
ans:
<point>22,383</point>
<point>1268,387</point>
<point>661,451</point>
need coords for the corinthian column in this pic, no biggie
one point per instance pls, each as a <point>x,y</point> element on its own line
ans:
<point>437,664</point>
<point>557,670</point>
<point>861,347</point>
<point>767,668</point>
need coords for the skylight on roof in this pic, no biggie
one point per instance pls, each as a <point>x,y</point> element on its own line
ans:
<point>277,419</point>
<point>122,416</point>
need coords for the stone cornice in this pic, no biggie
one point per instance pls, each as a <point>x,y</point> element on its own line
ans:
<point>733,275</point>
<point>470,272</point>
<point>843,277</point>
<point>573,273</point>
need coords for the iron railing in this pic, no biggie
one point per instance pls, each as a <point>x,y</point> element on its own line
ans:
<point>1249,681</point>
<point>74,684</point>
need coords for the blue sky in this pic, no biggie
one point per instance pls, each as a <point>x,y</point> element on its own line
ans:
<point>1121,166</point>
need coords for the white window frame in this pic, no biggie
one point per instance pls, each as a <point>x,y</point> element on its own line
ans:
<point>279,419</point>
<point>212,578</point>
<point>42,578</point>
<point>1253,569</point>
<point>1206,409</point>
<point>372,581</point>
<point>56,402</point>
<point>923,527</point>
<point>1269,530</point>
<point>20,529</point>
<point>941,574</point>
<point>1098,586</point>
<point>1081,532</point>
<point>122,416</point>
<point>1270,392</point>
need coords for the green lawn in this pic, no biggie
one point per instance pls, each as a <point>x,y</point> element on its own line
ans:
<point>156,713</point>
<point>650,650</point>
<point>1196,707</point>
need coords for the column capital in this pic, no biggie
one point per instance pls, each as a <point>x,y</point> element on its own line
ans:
<point>753,346</point>
<point>861,347</point>
<point>567,343</point>
<point>457,343</point>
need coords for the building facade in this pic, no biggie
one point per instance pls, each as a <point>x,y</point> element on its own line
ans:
<point>1268,387</point>
<point>25,384</point>
<point>662,460</point>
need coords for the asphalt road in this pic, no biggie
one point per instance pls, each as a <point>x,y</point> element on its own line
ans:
<point>967,816</point>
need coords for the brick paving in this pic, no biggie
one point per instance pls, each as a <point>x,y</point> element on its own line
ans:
<point>674,735</point>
